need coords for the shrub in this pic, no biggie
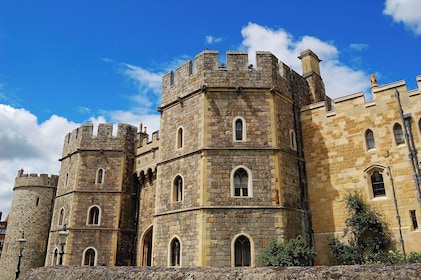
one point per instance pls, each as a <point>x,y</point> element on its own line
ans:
<point>368,239</point>
<point>295,252</point>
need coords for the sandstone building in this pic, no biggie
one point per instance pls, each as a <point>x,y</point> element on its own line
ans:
<point>245,154</point>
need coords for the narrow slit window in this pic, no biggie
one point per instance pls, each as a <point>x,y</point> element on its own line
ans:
<point>238,130</point>
<point>180,137</point>
<point>414,219</point>
<point>369,138</point>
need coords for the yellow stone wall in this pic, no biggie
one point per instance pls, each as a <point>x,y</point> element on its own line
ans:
<point>338,161</point>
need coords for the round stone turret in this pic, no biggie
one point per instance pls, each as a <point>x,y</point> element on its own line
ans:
<point>30,213</point>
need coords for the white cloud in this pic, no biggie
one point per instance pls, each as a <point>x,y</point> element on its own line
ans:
<point>339,78</point>
<point>358,46</point>
<point>212,40</point>
<point>26,144</point>
<point>405,11</point>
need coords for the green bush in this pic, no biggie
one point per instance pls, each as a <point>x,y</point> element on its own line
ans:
<point>295,252</point>
<point>368,239</point>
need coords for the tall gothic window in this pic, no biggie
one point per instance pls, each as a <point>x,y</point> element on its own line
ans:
<point>175,252</point>
<point>241,182</point>
<point>89,257</point>
<point>242,251</point>
<point>180,138</point>
<point>369,139</point>
<point>94,215</point>
<point>238,130</point>
<point>398,133</point>
<point>178,189</point>
<point>377,184</point>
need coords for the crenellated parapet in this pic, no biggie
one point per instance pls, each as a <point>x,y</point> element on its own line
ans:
<point>205,72</point>
<point>35,180</point>
<point>84,138</point>
<point>383,99</point>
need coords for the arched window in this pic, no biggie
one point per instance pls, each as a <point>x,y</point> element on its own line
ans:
<point>398,133</point>
<point>55,257</point>
<point>94,215</point>
<point>242,251</point>
<point>369,139</point>
<point>241,182</point>
<point>292,140</point>
<point>377,184</point>
<point>239,129</point>
<point>61,217</point>
<point>89,257</point>
<point>175,249</point>
<point>142,178</point>
<point>180,138</point>
<point>178,189</point>
<point>150,176</point>
<point>147,248</point>
<point>100,176</point>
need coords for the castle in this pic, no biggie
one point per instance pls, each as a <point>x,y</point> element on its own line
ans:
<point>245,154</point>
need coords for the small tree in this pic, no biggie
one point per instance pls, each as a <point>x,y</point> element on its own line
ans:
<point>368,238</point>
<point>295,252</point>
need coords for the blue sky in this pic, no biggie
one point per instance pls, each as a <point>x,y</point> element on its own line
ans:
<point>64,63</point>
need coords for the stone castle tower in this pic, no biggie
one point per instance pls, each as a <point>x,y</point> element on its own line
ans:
<point>95,197</point>
<point>31,212</point>
<point>227,175</point>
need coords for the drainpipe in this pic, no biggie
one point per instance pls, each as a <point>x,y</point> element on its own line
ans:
<point>398,217</point>
<point>406,119</point>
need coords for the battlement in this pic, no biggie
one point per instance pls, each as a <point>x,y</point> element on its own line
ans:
<point>205,71</point>
<point>381,95</point>
<point>85,138</point>
<point>35,180</point>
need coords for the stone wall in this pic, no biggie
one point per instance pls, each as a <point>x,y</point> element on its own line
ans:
<point>339,162</point>
<point>31,211</point>
<point>406,272</point>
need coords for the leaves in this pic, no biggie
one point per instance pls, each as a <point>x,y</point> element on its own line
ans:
<point>295,252</point>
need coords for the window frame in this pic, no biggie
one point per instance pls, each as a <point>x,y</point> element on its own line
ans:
<point>55,258</point>
<point>88,218</point>
<point>61,216</point>
<point>369,172</point>
<point>292,140</point>
<point>249,182</point>
<point>180,135</point>
<point>414,220</point>
<point>243,129</point>
<point>176,193</point>
<point>178,254</point>
<point>85,251</point>
<point>100,176</point>
<point>370,142</point>
<point>234,249</point>
<point>399,138</point>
